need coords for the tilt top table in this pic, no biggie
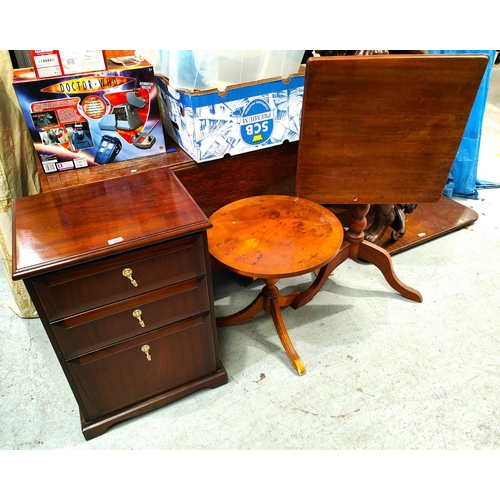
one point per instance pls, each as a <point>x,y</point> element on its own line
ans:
<point>382,130</point>
<point>272,237</point>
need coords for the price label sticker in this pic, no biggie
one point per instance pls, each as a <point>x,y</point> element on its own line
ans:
<point>115,240</point>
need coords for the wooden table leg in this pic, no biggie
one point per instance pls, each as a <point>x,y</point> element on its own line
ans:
<point>364,250</point>
<point>271,301</point>
<point>304,297</point>
<point>275,311</point>
<point>382,259</point>
<point>245,314</point>
<point>356,247</point>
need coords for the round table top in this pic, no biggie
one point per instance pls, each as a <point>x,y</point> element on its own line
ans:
<point>274,236</point>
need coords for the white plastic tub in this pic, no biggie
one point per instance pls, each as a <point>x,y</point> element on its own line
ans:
<point>210,69</point>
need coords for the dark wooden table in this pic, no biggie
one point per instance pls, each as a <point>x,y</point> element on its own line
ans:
<point>382,130</point>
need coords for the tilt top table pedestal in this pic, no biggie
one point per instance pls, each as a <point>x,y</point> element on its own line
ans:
<point>272,237</point>
<point>382,130</point>
<point>355,246</point>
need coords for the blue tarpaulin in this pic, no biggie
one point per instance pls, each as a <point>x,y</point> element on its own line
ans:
<point>462,180</point>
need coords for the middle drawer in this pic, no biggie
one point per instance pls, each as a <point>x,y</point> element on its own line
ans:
<point>100,327</point>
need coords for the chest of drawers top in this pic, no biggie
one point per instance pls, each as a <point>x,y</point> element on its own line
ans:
<point>80,224</point>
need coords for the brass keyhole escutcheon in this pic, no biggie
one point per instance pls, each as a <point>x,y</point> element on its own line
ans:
<point>137,314</point>
<point>127,272</point>
<point>145,350</point>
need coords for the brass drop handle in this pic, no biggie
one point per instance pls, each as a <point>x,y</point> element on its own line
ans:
<point>145,350</point>
<point>127,272</point>
<point>137,314</point>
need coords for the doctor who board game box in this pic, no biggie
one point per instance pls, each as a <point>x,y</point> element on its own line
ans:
<point>210,124</point>
<point>84,120</point>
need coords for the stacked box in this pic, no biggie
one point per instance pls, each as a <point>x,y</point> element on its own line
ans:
<point>209,124</point>
<point>96,118</point>
<point>51,63</point>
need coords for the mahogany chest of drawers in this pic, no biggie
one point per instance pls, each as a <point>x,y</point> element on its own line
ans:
<point>119,273</point>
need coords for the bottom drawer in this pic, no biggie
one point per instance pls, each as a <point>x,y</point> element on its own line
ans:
<point>124,374</point>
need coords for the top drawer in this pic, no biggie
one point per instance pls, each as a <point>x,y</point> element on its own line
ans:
<point>101,282</point>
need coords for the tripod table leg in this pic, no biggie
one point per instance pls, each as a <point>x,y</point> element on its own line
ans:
<point>382,259</point>
<point>275,311</point>
<point>248,312</point>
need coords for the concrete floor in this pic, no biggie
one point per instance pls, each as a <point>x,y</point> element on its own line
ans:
<point>383,373</point>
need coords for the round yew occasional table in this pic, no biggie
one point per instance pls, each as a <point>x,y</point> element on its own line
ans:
<point>272,237</point>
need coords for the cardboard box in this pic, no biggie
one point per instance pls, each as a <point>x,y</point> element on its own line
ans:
<point>209,124</point>
<point>51,63</point>
<point>91,119</point>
